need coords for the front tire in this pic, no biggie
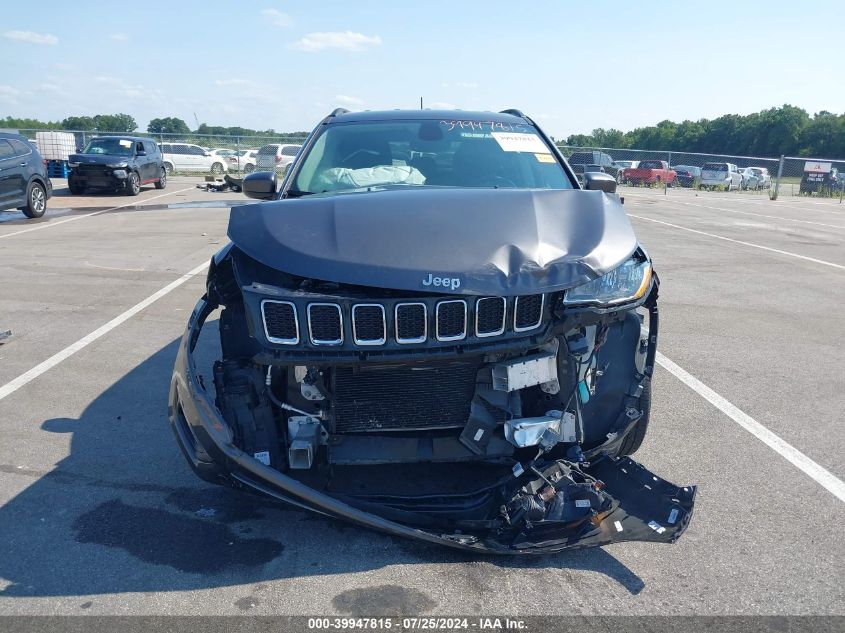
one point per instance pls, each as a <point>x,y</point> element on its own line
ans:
<point>36,201</point>
<point>217,169</point>
<point>161,183</point>
<point>133,186</point>
<point>249,168</point>
<point>634,439</point>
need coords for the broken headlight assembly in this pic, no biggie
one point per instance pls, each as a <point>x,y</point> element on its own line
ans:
<point>623,284</point>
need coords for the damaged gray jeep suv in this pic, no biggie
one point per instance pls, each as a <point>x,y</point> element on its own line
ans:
<point>431,329</point>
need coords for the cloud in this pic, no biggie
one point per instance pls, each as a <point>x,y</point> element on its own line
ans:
<point>344,40</point>
<point>278,18</point>
<point>32,38</point>
<point>349,102</point>
<point>119,37</point>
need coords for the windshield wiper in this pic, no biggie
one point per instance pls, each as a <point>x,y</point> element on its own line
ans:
<point>296,193</point>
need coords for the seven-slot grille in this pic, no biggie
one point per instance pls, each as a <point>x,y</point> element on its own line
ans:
<point>413,321</point>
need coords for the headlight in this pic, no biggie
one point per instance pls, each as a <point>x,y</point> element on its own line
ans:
<point>117,165</point>
<point>626,283</point>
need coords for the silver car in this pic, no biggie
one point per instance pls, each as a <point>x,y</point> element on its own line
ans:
<point>757,178</point>
<point>276,156</point>
<point>725,175</point>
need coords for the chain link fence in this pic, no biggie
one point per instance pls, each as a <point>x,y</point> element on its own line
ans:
<point>786,176</point>
<point>817,177</point>
<point>193,153</point>
<point>752,174</point>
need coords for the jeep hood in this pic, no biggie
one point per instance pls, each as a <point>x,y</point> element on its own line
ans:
<point>494,241</point>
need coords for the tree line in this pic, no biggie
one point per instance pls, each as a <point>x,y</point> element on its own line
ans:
<point>786,130</point>
<point>124,123</point>
<point>774,132</point>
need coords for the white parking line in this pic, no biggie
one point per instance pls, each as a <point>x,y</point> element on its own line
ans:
<point>751,244</point>
<point>88,215</point>
<point>759,215</point>
<point>783,448</point>
<point>27,377</point>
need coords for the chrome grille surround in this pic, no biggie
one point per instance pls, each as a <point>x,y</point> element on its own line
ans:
<point>516,313</point>
<point>362,341</point>
<point>456,337</point>
<point>501,330</point>
<point>315,341</point>
<point>273,339</point>
<point>408,341</point>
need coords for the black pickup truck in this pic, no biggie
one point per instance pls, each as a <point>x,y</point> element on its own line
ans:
<point>117,163</point>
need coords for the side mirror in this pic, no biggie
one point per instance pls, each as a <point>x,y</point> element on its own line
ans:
<point>206,154</point>
<point>78,150</point>
<point>599,181</point>
<point>260,185</point>
<point>141,153</point>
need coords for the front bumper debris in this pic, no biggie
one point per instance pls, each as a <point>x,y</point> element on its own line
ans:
<point>562,507</point>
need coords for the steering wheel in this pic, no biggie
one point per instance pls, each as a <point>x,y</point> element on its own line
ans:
<point>497,181</point>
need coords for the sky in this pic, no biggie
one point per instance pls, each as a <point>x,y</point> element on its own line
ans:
<point>284,64</point>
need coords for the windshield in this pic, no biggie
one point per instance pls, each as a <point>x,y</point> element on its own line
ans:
<point>445,153</point>
<point>115,146</point>
<point>715,167</point>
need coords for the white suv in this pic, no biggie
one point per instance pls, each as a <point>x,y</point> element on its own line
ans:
<point>276,156</point>
<point>189,157</point>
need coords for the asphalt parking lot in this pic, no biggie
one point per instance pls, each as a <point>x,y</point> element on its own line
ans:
<point>99,513</point>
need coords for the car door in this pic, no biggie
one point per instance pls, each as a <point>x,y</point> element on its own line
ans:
<point>141,162</point>
<point>12,182</point>
<point>198,159</point>
<point>150,161</point>
<point>181,160</point>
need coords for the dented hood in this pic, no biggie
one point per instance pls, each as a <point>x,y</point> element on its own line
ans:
<point>451,241</point>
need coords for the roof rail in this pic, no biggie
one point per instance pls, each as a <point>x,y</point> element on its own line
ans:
<point>513,111</point>
<point>338,111</point>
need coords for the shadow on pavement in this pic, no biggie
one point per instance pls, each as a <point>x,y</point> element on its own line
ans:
<point>123,513</point>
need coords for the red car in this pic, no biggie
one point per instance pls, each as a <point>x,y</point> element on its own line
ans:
<point>649,172</point>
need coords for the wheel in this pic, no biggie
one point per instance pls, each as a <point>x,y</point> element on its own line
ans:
<point>168,167</point>
<point>36,201</point>
<point>249,168</point>
<point>75,188</point>
<point>161,183</point>
<point>133,187</point>
<point>217,168</point>
<point>635,438</point>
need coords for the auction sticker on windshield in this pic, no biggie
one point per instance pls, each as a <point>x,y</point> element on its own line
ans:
<point>511,142</point>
